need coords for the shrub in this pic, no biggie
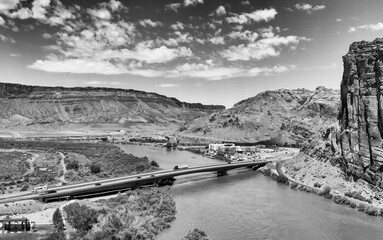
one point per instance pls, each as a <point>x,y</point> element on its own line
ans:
<point>95,168</point>
<point>372,211</point>
<point>362,207</point>
<point>293,185</point>
<point>317,185</point>
<point>72,164</point>
<point>81,217</point>
<point>24,187</point>
<point>282,179</point>
<point>267,172</point>
<point>353,204</point>
<point>154,163</point>
<point>196,234</point>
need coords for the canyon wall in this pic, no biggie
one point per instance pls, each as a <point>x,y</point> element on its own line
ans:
<point>361,113</point>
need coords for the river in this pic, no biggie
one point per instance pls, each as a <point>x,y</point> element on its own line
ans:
<point>246,205</point>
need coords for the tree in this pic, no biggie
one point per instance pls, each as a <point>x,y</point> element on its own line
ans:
<point>57,219</point>
<point>154,163</point>
<point>81,217</point>
<point>196,234</point>
<point>94,168</point>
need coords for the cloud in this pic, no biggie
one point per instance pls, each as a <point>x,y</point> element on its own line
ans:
<point>256,16</point>
<point>245,35</point>
<point>220,11</point>
<point>308,7</point>
<point>371,27</point>
<point>167,85</point>
<point>38,10</point>
<point>173,6</point>
<point>150,23</point>
<point>264,48</point>
<point>7,39</point>
<point>2,22</point>
<point>100,13</point>
<point>177,26</point>
<point>6,5</point>
<point>217,40</point>
<point>80,66</point>
<point>15,55</point>
<point>192,2</point>
<point>325,67</point>
<point>338,20</point>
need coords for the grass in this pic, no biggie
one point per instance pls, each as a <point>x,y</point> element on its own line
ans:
<point>13,165</point>
<point>112,160</point>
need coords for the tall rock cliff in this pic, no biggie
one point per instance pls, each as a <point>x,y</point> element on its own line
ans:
<point>361,111</point>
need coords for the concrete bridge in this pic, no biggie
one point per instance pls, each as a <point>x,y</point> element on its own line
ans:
<point>113,185</point>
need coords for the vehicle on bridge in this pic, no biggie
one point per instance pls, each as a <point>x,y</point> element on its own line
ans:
<point>40,189</point>
<point>179,167</point>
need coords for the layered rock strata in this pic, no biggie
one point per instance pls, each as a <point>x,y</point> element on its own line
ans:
<point>361,114</point>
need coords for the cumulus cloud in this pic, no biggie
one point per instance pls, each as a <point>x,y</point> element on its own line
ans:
<point>267,47</point>
<point>192,2</point>
<point>217,40</point>
<point>6,5</point>
<point>38,10</point>
<point>371,27</point>
<point>256,16</point>
<point>173,6</point>
<point>338,20</point>
<point>2,22</point>
<point>177,26</point>
<point>308,7</point>
<point>220,10</point>
<point>100,13</point>
<point>149,23</point>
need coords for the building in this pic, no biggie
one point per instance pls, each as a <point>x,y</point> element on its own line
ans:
<point>215,147</point>
<point>15,224</point>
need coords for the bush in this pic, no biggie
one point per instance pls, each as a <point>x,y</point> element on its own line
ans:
<point>24,187</point>
<point>267,172</point>
<point>196,234</point>
<point>154,163</point>
<point>326,191</point>
<point>56,235</point>
<point>293,185</point>
<point>81,217</point>
<point>95,168</point>
<point>372,211</point>
<point>317,185</point>
<point>72,164</point>
<point>362,207</point>
<point>282,179</point>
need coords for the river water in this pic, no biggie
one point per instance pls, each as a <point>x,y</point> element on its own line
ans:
<point>246,205</point>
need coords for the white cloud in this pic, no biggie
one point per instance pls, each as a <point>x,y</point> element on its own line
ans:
<point>256,16</point>
<point>217,40</point>
<point>338,20</point>
<point>220,11</point>
<point>100,13</point>
<point>167,85</point>
<point>80,66</point>
<point>6,5</point>
<point>15,54</point>
<point>149,22</point>
<point>192,2</point>
<point>267,47</point>
<point>2,22</point>
<point>38,10</point>
<point>308,7</point>
<point>371,27</point>
<point>245,35</point>
<point>173,6</point>
<point>115,5</point>
<point>177,26</point>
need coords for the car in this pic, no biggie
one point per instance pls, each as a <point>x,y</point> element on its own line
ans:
<point>138,177</point>
<point>97,184</point>
<point>152,175</point>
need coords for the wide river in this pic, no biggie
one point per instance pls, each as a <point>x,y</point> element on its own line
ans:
<point>246,205</point>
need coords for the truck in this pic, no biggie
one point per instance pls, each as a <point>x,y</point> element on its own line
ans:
<point>40,189</point>
<point>179,167</point>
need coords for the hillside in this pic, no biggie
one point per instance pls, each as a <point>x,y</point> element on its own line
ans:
<point>22,105</point>
<point>280,117</point>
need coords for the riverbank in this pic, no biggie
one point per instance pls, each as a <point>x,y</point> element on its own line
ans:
<point>325,180</point>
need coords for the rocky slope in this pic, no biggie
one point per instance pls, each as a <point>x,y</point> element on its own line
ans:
<point>34,105</point>
<point>279,117</point>
<point>361,111</point>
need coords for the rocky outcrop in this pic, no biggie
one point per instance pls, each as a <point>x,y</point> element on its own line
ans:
<point>42,105</point>
<point>361,115</point>
<point>283,117</point>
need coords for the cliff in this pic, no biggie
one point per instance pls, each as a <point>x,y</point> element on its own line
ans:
<point>361,111</point>
<point>21,104</point>
<point>283,117</point>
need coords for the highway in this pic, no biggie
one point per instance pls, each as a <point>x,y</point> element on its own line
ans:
<point>131,181</point>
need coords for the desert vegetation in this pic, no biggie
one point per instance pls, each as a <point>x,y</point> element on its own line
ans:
<point>13,165</point>
<point>138,214</point>
<point>196,234</point>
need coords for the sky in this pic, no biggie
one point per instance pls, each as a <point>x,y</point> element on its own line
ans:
<point>207,51</point>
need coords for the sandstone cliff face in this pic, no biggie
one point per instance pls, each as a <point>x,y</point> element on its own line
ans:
<point>279,117</point>
<point>361,111</point>
<point>36,105</point>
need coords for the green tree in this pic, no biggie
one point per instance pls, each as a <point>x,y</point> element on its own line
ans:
<point>57,219</point>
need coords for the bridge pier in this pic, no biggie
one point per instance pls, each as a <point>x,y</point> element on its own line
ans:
<point>221,173</point>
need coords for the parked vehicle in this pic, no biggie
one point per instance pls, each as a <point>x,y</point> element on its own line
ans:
<point>40,189</point>
<point>179,167</point>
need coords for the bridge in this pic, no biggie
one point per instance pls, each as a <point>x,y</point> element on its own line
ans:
<point>113,185</point>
